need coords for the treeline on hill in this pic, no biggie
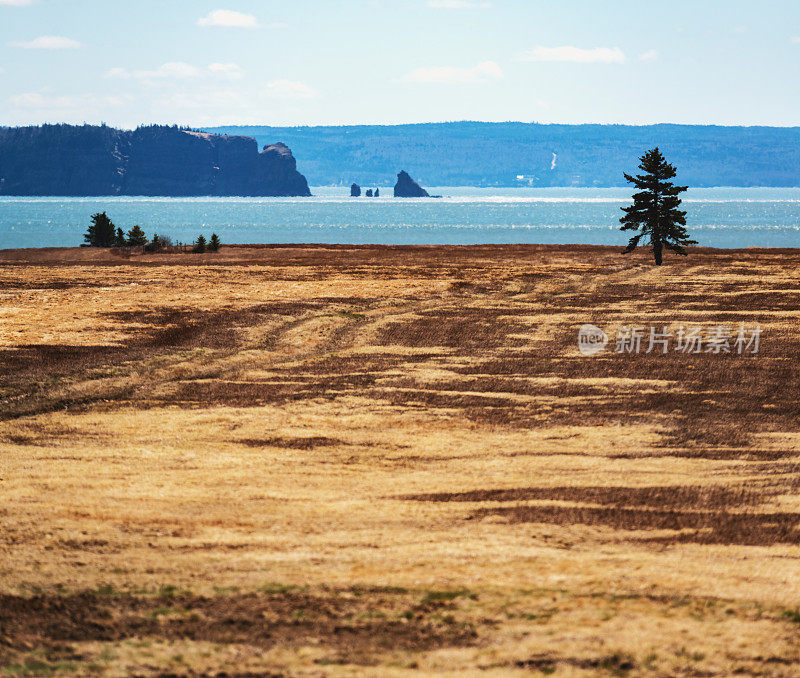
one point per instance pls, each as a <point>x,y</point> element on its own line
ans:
<point>103,233</point>
<point>496,154</point>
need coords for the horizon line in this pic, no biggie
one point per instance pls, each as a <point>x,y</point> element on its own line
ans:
<point>407,124</point>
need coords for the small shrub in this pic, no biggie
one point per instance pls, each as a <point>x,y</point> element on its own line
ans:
<point>158,244</point>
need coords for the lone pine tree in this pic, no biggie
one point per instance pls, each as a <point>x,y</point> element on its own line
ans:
<point>655,208</point>
<point>102,232</point>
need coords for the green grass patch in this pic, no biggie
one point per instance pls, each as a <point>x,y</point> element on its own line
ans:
<point>167,611</point>
<point>34,667</point>
<point>448,595</point>
<point>276,589</point>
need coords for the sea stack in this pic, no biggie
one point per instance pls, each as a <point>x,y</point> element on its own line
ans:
<point>355,191</point>
<point>406,187</point>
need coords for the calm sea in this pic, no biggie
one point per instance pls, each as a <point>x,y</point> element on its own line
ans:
<point>718,217</point>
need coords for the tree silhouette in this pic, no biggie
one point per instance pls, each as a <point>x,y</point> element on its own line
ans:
<point>655,208</point>
<point>136,237</point>
<point>213,244</point>
<point>119,238</point>
<point>102,232</point>
<point>200,245</point>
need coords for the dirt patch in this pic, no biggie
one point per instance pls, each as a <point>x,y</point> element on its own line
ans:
<point>745,529</point>
<point>466,329</point>
<point>354,628</point>
<point>292,443</point>
<point>48,285</point>
<point>718,454</point>
<point>189,328</point>
<point>616,664</point>
<point>657,497</point>
<point>29,371</point>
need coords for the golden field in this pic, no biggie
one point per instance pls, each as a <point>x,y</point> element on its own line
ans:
<point>376,461</point>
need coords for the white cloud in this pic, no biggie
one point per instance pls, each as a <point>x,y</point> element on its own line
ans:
<point>229,71</point>
<point>458,4</point>
<point>487,70</point>
<point>599,55</point>
<point>42,102</point>
<point>15,3</point>
<point>650,55</point>
<point>289,89</point>
<point>227,18</point>
<point>49,42</point>
<point>179,70</point>
<point>221,105</point>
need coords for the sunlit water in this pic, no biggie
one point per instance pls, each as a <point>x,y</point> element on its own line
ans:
<point>719,217</point>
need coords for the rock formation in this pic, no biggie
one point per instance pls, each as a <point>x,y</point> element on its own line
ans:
<point>156,161</point>
<point>406,187</point>
<point>369,193</point>
<point>377,193</point>
<point>355,191</point>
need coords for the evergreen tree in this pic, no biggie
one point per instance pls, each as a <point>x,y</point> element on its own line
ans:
<point>119,238</point>
<point>200,245</point>
<point>136,237</point>
<point>213,244</point>
<point>102,232</point>
<point>155,245</point>
<point>655,208</point>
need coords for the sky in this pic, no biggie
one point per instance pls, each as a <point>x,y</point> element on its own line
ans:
<point>333,62</point>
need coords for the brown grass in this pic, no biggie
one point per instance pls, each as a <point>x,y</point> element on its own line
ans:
<point>408,441</point>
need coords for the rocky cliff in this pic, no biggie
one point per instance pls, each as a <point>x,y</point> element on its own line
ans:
<point>163,161</point>
<point>406,187</point>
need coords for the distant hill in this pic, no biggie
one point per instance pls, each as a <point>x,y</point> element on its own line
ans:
<point>521,154</point>
<point>158,161</point>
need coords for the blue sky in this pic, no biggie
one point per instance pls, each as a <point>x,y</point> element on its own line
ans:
<point>391,61</point>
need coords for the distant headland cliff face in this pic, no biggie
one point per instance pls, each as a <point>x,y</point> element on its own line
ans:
<point>157,161</point>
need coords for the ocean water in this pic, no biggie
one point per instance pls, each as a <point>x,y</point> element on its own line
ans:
<point>718,217</point>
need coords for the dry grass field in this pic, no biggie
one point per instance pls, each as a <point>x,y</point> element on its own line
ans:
<point>373,461</point>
